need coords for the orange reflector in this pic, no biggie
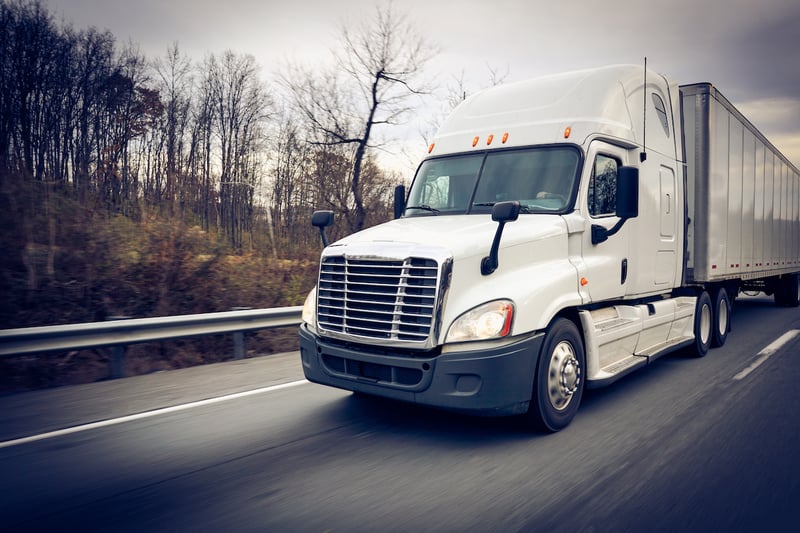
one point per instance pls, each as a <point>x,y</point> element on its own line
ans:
<point>567,132</point>
<point>584,282</point>
<point>489,140</point>
<point>505,137</point>
<point>430,148</point>
<point>475,141</point>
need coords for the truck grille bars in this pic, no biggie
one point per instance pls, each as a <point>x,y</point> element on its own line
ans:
<point>393,300</point>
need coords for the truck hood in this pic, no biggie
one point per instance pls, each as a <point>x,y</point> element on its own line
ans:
<point>460,235</point>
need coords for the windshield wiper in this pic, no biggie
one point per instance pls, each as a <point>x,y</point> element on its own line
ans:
<point>424,207</point>
<point>522,208</point>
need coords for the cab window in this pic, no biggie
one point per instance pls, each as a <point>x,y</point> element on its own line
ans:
<point>603,186</point>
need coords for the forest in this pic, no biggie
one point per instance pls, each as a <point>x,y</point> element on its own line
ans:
<point>141,187</point>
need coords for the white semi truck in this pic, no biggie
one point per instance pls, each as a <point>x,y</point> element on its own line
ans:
<point>561,233</point>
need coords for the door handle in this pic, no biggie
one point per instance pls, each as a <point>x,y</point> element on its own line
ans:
<point>624,272</point>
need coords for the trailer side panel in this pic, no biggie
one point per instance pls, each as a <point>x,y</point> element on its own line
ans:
<point>744,205</point>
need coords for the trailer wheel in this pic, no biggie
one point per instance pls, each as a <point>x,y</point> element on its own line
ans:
<point>559,379</point>
<point>787,292</point>
<point>703,325</point>
<point>793,290</point>
<point>722,317</point>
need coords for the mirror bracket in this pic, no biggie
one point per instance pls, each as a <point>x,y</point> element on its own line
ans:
<point>321,220</point>
<point>502,212</point>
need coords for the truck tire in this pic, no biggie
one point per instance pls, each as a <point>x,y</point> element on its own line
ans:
<point>722,317</point>
<point>703,325</point>
<point>792,290</point>
<point>559,379</point>
<point>787,292</point>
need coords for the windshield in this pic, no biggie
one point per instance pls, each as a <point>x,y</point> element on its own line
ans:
<point>541,179</point>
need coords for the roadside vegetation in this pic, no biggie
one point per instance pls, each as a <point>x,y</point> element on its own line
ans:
<point>142,187</point>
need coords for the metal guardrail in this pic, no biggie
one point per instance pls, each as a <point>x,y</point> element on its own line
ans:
<point>118,334</point>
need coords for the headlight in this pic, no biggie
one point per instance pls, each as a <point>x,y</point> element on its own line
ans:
<point>310,308</point>
<point>488,321</point>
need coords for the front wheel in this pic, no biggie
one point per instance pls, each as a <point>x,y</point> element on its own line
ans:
<point>559,380</point>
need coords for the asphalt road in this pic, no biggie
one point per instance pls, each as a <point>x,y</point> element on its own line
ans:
<point>684,445</point>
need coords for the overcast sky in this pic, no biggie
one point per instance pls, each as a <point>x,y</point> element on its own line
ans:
<point>749,49</point>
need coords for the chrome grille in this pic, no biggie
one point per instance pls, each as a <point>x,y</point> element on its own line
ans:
<point>376,298</point>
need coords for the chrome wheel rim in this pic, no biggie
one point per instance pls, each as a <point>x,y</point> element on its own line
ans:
<point>563,375</point>
<point>705,324</point>
<point>722,323</point>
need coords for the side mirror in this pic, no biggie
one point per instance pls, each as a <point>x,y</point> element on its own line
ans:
<point>502,212</point>
<point>505,211</point>
<point>321,220</point>
<point>628,192</point>
<point>399,200</point>
<point>627,203</point>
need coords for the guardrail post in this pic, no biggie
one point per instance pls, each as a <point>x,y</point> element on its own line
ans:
<point>239,343</point>
<point>239,346</point>
<point>118,361</point>
<point>118,355</point>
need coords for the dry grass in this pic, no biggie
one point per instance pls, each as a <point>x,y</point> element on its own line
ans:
<point>106,267</point>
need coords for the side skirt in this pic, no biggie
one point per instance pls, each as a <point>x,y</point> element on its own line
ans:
<point>622,338</point>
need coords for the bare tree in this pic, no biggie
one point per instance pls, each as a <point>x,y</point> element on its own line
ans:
<point>379,69</point>
<point>174,82</point>
<point>91,59</point>
<point>200,148</point>
<point>240,106</point>
<point>289,192</point>
<point>31,49</point>
<point>129,110</point>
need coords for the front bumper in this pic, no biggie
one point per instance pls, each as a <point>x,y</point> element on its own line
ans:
<point>495,381</point>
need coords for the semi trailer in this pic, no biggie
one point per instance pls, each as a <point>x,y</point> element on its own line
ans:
<point>561,233</point>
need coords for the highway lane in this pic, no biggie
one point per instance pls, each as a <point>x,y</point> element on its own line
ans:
<point>681,445</point>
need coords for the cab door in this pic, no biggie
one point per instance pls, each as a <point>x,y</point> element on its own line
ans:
<point>606,265</point>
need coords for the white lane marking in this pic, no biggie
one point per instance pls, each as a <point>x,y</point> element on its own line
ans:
<point>147,414</point>
<point>767,352</point>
